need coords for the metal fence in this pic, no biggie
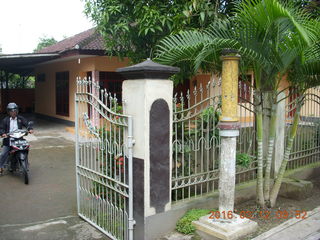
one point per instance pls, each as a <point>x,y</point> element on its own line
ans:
<point>306,145</point>
<point>196,141</point>
<point>246,164</point>
<point>103,161</point>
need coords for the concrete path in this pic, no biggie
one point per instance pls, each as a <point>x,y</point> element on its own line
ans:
<point>296,229</point>
<point>46,208</point>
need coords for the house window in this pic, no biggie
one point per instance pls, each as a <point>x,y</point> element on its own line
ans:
<point>244,89</point>
<point>112,81</point>
<point>62,93</point>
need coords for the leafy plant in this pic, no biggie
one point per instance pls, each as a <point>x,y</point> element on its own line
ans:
<point>210,120</point>
<point>184,224</point>
<point>139,25</point>
<point>243,159</point>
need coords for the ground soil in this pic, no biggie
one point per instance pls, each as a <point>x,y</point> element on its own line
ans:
<point>276,215</point>
<point>283,205</point>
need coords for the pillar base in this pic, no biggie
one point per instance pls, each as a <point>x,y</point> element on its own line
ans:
<point>224,229</point>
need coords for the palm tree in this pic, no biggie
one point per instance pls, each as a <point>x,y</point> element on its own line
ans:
<point>270,37</point>
<point>307,68</point>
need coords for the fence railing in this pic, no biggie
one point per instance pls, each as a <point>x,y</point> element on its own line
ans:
<point>306,145</point>
<point>246,143</point>
<point>196,141</point>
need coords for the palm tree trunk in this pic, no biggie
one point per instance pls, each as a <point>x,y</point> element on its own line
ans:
<point>277,184</point>
<point>260,197</point>
<point>272,134</point>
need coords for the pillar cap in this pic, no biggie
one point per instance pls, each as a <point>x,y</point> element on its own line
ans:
<point>229,54</point>
<point>148,70</point>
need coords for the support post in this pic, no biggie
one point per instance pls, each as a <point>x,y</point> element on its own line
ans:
<point>147,94</point>
<point>229,225</point>
<point>229,130</point>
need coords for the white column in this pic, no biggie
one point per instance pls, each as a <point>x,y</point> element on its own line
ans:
<point>227,175</point>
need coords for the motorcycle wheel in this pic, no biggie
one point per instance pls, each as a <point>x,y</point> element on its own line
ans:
<point>25,172</point>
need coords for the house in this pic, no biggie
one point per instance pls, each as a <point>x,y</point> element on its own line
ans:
<point>56,68</point>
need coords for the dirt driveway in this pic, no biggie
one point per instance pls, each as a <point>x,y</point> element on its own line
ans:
<point>46,208</point>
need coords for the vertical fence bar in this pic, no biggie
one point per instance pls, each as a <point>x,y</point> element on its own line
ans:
<point>130,154</point>
<point>77,150</point>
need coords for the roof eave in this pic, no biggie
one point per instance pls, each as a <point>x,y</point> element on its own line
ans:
<point>28,55</point>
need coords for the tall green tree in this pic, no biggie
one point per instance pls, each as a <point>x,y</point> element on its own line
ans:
<point>270,37</point>
<point>133,28</point>
<point>44,42</point>
<point>303,75</point>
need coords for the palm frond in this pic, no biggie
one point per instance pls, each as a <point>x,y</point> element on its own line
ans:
<point>270,36</point>
<point>180,47</point>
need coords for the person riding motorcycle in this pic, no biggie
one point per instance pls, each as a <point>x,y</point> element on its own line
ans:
<point>10,124</point>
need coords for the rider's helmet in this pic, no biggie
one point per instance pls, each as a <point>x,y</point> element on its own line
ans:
<point>12,107</point>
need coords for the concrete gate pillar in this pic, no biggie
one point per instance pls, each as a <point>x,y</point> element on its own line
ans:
<point>147,95</point>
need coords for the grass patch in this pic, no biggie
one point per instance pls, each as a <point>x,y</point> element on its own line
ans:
<point>184,225</point>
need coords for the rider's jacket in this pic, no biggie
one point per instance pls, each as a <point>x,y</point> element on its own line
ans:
<point>5,127</point>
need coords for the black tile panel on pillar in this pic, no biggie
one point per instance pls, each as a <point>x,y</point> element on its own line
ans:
<point>159,155</point>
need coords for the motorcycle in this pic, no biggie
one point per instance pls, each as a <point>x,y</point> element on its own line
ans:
<point>18,155</point>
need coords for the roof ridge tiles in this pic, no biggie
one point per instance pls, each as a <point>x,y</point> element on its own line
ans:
<point>82,39</point>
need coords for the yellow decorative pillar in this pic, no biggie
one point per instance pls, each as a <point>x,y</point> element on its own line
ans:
<point>229,130</point>
<point>229,225</point>
<point>230,73</point>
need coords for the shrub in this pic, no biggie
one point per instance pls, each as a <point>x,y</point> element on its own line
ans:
<point>243,159</point>
<point>184,225</point>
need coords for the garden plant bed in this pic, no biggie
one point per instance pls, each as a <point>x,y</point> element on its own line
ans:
<point>278,214</point>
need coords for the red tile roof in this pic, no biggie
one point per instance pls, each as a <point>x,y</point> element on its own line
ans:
<point>87,40</point>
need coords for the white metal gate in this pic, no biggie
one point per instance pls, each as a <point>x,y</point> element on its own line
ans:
<point>103,161</point>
